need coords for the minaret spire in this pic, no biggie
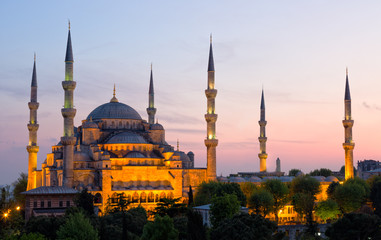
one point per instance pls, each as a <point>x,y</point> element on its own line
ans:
<point>348,145</point>
<point>114,99</point>
<point>211,141</point>
<point>32,147</point>
<point>262,136</point>
<point>151,110</point>
<point>68,140</point>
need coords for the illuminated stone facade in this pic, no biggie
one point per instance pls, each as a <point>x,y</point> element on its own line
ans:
<point>115,151</point>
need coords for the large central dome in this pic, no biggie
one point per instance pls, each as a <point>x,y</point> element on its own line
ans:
<point>114,110</point>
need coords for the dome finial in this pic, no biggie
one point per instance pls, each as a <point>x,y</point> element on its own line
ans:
<point>114,99</point>
<point>69,24</point>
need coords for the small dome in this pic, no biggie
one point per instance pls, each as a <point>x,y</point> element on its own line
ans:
<point>255,179</point>
<point>223,179</point>
<point>319,178</point>
<point>90,124</point>
<point>114,110</point>
<point>286,178</point>
<point>237,179</point>
<point>190,153</point>
<point>127,137</point>
<point>156,126</point>
<point>81,156</point>
<point>269,177</point>
<point>134,154</point>
<point>331,179</point>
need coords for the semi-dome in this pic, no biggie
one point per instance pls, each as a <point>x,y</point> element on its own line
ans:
<point>114,110</point>
<point>156,126</point>
<point>134,154</point>
<point>90,124</point>
<point>126,137</point>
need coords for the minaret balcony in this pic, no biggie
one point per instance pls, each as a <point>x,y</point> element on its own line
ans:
<point>262,155</point>
<point>348,123</point>
<point>68,85</point>
<point>151,111</point>
<point>262,139</point>
<point>211,142</point>
<point>68,112</point>
<point>32,149</point>
<point>68,140</point>
<point>211,93</point>
<point>349,146</point>
<point>33,105</point>
<point>262,123</point>
<point>33,127</point>
<point>211,118</point>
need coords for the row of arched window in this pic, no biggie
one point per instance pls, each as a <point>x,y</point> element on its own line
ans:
<point>121,125</point>
<point>136,198</point>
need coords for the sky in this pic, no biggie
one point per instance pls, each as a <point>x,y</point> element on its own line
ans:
<point>296,50</point>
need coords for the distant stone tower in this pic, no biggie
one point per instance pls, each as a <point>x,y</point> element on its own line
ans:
<point>262,137</point>
<point>32,147</point>
<point>348,145</point>
<point>68,112</point>
<point>277,165</point>
<point>151,110</point>
<point>211,142</point>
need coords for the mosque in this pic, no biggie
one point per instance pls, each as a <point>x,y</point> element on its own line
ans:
<point>113,151</point>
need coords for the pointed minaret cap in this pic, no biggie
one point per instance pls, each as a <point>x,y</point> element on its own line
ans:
<point>34,74</point>
<point>151,82</point>
<point>262,100</point>
<point>347,92</point>
<point>114,99</point>
<point>211,60</point>
<point>69,50</point>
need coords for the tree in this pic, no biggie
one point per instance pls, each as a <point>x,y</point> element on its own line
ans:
<point>47,226</point>
<point>161,229</point>
<point>327,209</point>
<point>32,236</point>
<point>190,197</point>
<point>77,227</point>
<point>351,195</point>
<point>206,191</point>
<point>321,172</point>
<point>294,172</point>
<point>248,189</point>
<point>303,190</point>
<point>20,186</point>
<point>375,194</point>
<point>279,192</point>
<point>331,189</point>
<point>244,226</point>
<point>170,207</point>
<point>195,226</point>
<point>261,202</point>
<point>355,226</point>
<point>85,200</point>
<point>223,207</point>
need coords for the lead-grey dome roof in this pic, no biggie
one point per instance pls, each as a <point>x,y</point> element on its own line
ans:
<point>114,110</point>
<point>127,137</point>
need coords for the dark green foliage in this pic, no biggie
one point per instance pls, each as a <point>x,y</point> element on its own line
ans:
<point>248,189</point>
<point>170,207</point>
<point>351,195</point>
<point>77,227</point>
<point>321,172</point>
<point>303,190</point>
<point>327,209</point>
<point>223,207</point>
<point>244,227</point>
<point>279,192</point>
<point>32,236</point>
<point>85,200</point>
<point>20,186</point>
<point>161,229</point>
<point>331,189</point>
<point>190,197</point>
<point>206,191</point>
<point>355,226</point>
<point>375,197</point>
<point>261,202</point>
<point>111,225</point>
<point>293,172</point>
<point>180,223</point>
<point>46,226</point>
<point>196,229</point>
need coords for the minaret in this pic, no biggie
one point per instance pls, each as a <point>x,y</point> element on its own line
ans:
<point>348,145</point>
<point>151,110</point>
<point>32,147</point>
<point>68,112</point>
<point>262,137</point>
<point>211,142</point>
<point>277,165</point>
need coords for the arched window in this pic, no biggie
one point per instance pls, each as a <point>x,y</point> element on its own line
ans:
<point>170,195</point>
<point>157,198</point>
<point>143,197</point>
<point>151,197</point>
<point>135,197</point>
<point>120,124</point>
<point>162,195</point>
<point>129,198</point>
<point>98,198</point>
<point>114,198</point>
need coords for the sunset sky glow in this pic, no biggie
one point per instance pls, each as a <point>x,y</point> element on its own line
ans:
<point>296,50</point>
